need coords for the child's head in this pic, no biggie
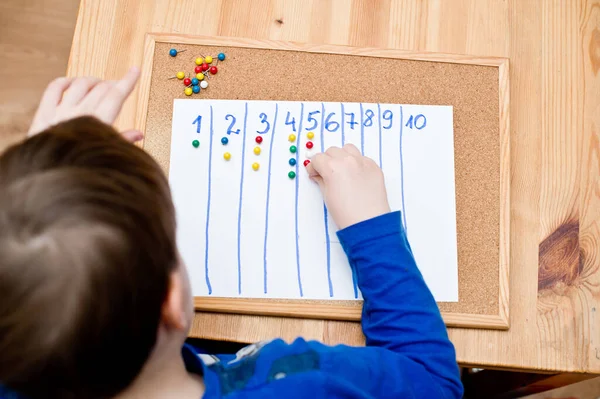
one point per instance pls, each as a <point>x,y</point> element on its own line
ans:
<point>89,270</point>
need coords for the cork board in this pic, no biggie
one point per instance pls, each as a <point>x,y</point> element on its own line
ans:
<point>477,88</point>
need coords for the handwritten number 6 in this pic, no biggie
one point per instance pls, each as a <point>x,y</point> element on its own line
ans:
<point>263,119</point>
<point>331,126</point>
<point>229,129</point>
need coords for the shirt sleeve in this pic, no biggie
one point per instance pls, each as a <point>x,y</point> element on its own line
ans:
<point>399,312</point>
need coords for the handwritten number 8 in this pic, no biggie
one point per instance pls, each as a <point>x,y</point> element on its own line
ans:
<point>231,125</point>
<point>388,116</point>
<point>369,121</point>
<point>263,119</point>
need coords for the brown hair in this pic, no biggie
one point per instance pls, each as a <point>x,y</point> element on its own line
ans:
<point>87,246</point>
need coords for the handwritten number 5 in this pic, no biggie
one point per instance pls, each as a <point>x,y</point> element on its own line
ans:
<point>231,125</point>
<point>313,120</point>
<point>263,119</point>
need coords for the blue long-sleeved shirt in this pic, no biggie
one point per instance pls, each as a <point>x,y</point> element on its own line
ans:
<point>407,353</point>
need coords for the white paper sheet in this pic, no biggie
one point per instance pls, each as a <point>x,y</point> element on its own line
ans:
<point>260,234</point>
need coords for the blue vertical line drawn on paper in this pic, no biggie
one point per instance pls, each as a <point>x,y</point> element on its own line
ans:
<point>354,284</point>
<point>207,277</point>
<point>343,128</point>
<point>268,198</point>
<point>327,238</point>
<point>362,131</point>
<point>239,226</point>
<point>402,173</point>
<point>296,200</point>
<point>379,127</point>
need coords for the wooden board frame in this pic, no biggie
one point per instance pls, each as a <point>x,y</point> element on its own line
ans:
<point>351,310</point>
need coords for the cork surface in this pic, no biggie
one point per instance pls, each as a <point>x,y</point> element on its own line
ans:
<point>257,74</point>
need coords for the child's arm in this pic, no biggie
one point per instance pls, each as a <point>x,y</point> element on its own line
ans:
<point>399,312</point>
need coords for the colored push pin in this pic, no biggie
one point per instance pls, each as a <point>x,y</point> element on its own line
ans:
<point>293,149</point>
<point>200,76</point>
<point>292,174</point>
<point>227,156</point>
<point>204,84</point>
<point>198,69</point>
<point>213,70</point>
<point>310,135</point>
<point>221,56</point>
<point>306,162</point>
<point>196,143</point>
<point>204,67</point>
<point>257,150</point>
<point>196,89</point>
<point>179,75</point>
<point>195,81</point>
<point>199,61</point>
<point>292,138</point>
<point>258,139</point>
<point>292,161</point>
<point>173,52</point>
<point>224,140</point>
<point>309,154</point>
<point>188,91</point>
<point>208,59</point>
<point>309,144</point>
<point>187,82</point>
<point>255,166</point>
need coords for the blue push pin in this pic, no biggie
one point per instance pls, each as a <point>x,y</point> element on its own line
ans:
<point>224,140</point>
<point>196,89</point>
<point>221,56</point>
<point>173,52</point>
<point>195,82</point>
<point>292,161</point>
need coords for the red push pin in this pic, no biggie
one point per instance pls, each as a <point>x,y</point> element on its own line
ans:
<point>306,162</point>
<point>187,82</point>
<point>204,67</point>
<point>213,70</point>
<point>258,139</point>
<point>309,144</point>
<point>198,69</point>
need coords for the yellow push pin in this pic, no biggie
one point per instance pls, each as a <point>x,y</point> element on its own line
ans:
<point>255,165</point>
<point>227,156</point>
<point>310,135</point>
<point>200,76</point>
<point>199,61</point>
<point>179,75</point>
<point>292,138</point>
<point>188,91</point>
<point>257,150</point>
<point>208,59</point>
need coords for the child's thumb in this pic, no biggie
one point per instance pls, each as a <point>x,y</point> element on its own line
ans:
<point>132,135</point>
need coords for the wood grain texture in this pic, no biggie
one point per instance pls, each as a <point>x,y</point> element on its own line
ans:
<point>554,84</point>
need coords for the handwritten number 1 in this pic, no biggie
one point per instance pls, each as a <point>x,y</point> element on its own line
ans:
<point>388,116</point>
<point>198,120</point>
<point>263,119</point>
<point>231,125</point>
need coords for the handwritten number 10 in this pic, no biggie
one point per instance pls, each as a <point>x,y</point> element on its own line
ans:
<point>418,122</point>
<point>263,119</point>
<point>198,120</point>
<point>231,125</point>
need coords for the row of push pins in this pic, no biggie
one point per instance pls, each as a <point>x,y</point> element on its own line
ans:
<point>202,72</point>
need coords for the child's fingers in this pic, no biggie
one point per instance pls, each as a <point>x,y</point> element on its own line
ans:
<point>351,148</point>
<point>78,90</point>
<point>50,99</point>
<point>318,166</point>
<point>95,96</point>
<point>132,135</point>
<point>113,100</point>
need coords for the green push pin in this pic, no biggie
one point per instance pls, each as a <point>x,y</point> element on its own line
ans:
<point>293,149</point>
<point>196,143</point>
<point>292,174</point>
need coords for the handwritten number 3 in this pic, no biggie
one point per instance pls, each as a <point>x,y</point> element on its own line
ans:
<point>231,125</point>
<point>263,119</point>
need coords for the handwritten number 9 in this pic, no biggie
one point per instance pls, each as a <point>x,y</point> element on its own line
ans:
<point>331,126</point>
<point>388,116</point>
<point>263,119</point>
<point>313,120</point>
<point>198,120</point>
<point>231,125</point>
<point>369,121</point>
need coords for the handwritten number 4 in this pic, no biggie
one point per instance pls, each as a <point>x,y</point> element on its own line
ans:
<point>290,122</point>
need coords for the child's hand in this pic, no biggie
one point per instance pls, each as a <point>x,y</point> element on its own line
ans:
<point>68,98</point>
<point>352,185</point>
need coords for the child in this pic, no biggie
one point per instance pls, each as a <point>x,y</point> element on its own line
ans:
<point>95,300</point>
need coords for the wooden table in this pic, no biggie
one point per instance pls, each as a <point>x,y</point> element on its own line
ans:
<point>554,50</point>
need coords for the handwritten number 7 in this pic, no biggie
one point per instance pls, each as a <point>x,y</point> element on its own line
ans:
<point>263,119</point>
<point>198,120</point>
<point>231,125</point>
<point>388,116</point>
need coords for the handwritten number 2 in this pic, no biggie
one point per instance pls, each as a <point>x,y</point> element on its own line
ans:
<point>198,120</point>
<point>263,119</point>
<point>369,121</point>
<point>231,125</point>
<point>388,116</point>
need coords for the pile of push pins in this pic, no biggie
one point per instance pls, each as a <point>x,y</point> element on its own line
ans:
<point>202,71</point>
